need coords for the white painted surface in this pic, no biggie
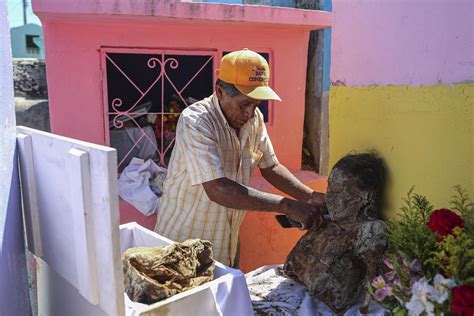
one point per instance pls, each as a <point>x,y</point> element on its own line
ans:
<point>58,297</point>
<point>7,115</point>
<point>33,234</point>
<point>14,298</point>
<point>77,207</point>
<point>83,224</point>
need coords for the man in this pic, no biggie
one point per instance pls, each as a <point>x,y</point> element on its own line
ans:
<point>219,142</point>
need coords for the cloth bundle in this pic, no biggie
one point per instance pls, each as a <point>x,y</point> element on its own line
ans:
<point>141,184</point>
<point>155,273</point>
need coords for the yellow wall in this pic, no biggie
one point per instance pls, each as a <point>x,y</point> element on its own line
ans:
<point>425,135</point>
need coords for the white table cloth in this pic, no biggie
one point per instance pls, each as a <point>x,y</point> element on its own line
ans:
<point>273,294</point>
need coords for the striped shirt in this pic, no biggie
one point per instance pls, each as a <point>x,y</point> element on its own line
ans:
<point>208,148</point>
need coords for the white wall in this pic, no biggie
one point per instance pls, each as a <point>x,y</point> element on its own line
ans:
<point>13,276</point>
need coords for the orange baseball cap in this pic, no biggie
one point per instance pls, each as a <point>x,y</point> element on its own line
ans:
<point>249,73</point>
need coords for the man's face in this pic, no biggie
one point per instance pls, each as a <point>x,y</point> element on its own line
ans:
<point>237,110</point>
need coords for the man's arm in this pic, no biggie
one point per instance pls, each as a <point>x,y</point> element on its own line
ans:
<point>231,194</point>
<point>281,178</point>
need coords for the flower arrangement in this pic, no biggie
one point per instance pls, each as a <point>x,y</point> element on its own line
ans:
<point>429,267</point>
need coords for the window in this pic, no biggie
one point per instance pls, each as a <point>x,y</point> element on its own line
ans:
<point>31,47</point>
<point>146,92</point>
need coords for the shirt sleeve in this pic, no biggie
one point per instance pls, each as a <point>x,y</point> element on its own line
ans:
<point>200,151</point>
<point>269,157</point>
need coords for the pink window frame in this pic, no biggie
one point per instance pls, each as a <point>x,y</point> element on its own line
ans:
<point>105,99</point>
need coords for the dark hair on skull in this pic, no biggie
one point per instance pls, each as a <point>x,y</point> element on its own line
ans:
<point>228,88</point>
<point>368,173</point>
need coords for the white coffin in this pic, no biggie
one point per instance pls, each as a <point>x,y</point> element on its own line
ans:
<point>227,294</point>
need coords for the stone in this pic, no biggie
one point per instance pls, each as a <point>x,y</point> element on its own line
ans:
<point>31,93</point>
<point>334,261</point>
<point>152,274</point>
<point>29,78</point>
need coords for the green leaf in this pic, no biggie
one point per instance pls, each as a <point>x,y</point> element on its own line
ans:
<point>410,235</point>
<point>399,311</point>
<point>370,288</point>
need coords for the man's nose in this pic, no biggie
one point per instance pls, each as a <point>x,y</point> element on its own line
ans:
<point>250,112</point>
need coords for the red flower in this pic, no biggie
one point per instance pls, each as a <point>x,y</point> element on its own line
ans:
<point>463,300</point>
<point>443,221</point>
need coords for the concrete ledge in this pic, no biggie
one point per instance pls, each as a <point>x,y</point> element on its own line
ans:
<point>102,10</point>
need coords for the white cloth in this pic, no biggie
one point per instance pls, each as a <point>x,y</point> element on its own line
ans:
<point>274,294</point>
<point>135,185</point>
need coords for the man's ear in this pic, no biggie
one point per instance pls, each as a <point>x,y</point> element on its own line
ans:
<point>219,92</point>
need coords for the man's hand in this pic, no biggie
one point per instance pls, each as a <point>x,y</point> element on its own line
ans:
<point>231,194</point>
<point>317,199</point>
<point>308,215</point>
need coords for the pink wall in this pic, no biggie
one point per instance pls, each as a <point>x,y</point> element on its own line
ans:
<point>75,32</point>
<point>402,42</point>
<point>73,58</point>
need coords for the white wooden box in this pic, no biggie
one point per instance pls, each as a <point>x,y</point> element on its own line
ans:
<point>227,294</point>
<point>71,215</point>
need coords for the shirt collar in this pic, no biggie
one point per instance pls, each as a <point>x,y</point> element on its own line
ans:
<point>220,114</point>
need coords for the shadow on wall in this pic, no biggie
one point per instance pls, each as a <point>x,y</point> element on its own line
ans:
<point>32,113</point>
<point>31,93</point>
